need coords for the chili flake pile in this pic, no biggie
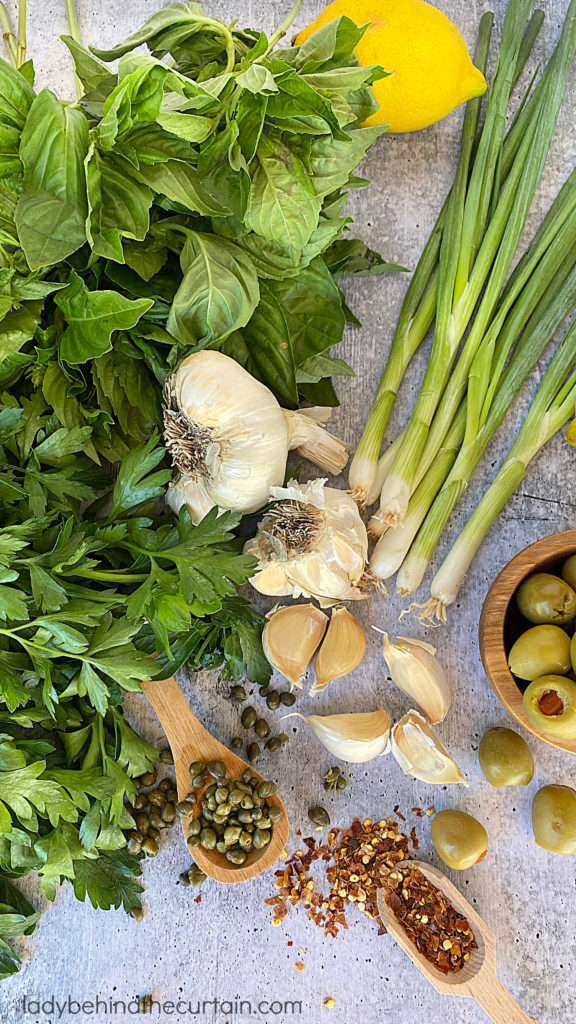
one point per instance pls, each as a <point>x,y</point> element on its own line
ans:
<point>358,860</point>
<point>432,923</point>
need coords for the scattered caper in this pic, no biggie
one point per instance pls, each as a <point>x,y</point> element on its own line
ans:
<point>168,812</point>
<point>334,780</point>
<point>150,846</point>
<point>148,779</point>
<point>197,768</point>
<point>246,776</point>
<point>145,1004</point>
<point>264,690</point>
<point>274,744</point>
<point>193,841</point>
<point>249,717</point>
<point>140,802</point>
<point>262,729</point>
<point>165,756</point>
<point>156,797</point>
<point>137,913</point>
<point>287,698</point>
<point>217,769</point>
<point>196,875</point>
<point>184,879</point>
<point>266,789</point>
<point>154,833</point>
<point>238,693</point>
<point>142,822</point>
<point>172,795</point>
<point>134,845</point>
<point>165,785</point>
<point>156,820</point>
<point>254,753</point>
<point>284,738</point>
<point>198,781</point>
<point>320,817</point>
<point>236,742</point>
<point>273,700</point>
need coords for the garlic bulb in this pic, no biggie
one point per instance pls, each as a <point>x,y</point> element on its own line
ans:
<point>420,753</point>
<point>342,649</point>
<point>416,671</point>
<point>230,439</point>
<point>290,639</point>
<point>313,543</point>
<point>356,737</point>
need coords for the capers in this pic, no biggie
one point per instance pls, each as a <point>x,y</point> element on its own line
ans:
<point>232,835</point>
<point>245,840</point>
<point>274,744</point>
<point>334,781</point>
<point>194,827</point>
<point>165,756</point>
<point>253,753</point>
<point>183,879</point>
<point>249,717</point>
<point>193,841</point>
<point>148,779</point>
<point>154,833</point>
<point>198,782</point>
<point>134,845</point>
<point>274,813</point>
<point>150,846</point>
<point>266,789</point>
<point>197,768</point>
<point>168,812</point>
<point>217,769</point>
<point>287,698</point>
<point>261,838</point>
<point>236,742</point>
<point>184,808</point>
<point>142,822</point>
<point>156,797</point>
<point>140,802</point>
<point>319,816</point>
<point>236,796</point>
<point>156,820</point>
<point>236,855</point>
<point>262,729</point>
<point>165,786</point>
<point>195,875</point>
<point>273,700</point>
<point>238,693</point>
<point>208,838</point>
<point>284,738</point>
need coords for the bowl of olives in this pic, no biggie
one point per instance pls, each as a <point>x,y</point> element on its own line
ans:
<point>528,638</point>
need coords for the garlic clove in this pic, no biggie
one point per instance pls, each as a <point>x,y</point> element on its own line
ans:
<point>192,493</point>
<point>420,753</point>
<point>308,437</point>
<point>342,649</point>
<point>416,671</point>
<point>291,637</point>
<point>356,737</point>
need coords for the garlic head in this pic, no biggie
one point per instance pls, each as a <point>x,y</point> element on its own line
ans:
<point>416,671</point>
<point>420,753</point>
<point>291,637</point>
<point>225,432</point>
<point>316,541</point>
<point>356,737</point>
<point>342,649</point>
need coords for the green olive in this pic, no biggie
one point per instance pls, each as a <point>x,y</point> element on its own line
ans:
<point>573,652</point>
<point>505,758</point>
<point>459,839</point>
<point>539,651</point>
<point>550,705</point>
<point>546,598</point>
<point>554,819</point>
<point>569,571</point>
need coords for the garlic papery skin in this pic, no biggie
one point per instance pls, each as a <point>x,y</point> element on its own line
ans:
<point>356,737</point>
<point>307,436</point>
<point>291,638</point>
<point>417,672</point>
<point>316,542</point>
<point>420,753</point>
<point>342,649</point>
<point>224,431</point>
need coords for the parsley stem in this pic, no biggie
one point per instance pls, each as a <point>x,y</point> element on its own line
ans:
<point>39,647</point>
<point>108,576</point>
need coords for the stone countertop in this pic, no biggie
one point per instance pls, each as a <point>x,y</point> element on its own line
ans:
<point>225,947</point>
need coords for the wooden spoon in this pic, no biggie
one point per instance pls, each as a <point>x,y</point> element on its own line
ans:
<point>477,979</point>
<point>190,741</point>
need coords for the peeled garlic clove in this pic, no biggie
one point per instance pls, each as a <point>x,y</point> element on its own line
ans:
<point>356,737</point>
<point>291,637</point>
<point>342,650</point>
<point>420,753</point>
<point>416,671</point>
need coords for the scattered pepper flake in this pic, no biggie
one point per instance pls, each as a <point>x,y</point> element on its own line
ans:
<point>300,966</point>
<point>329,1003</point>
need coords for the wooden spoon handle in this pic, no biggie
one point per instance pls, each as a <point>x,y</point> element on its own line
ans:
<point>176,716</point>
<point>499,1004</point>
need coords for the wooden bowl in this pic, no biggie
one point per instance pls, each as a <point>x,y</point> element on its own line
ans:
<point>501,622</point>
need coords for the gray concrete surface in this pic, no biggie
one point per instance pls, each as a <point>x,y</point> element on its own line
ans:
<point>225,947</point>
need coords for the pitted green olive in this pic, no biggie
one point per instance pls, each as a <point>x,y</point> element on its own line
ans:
<point>459,839</point>
<point>505,758</point>
<point>539,651</point>
<point>550,705</point>
<point>554,819</point>
<point>543,597</point>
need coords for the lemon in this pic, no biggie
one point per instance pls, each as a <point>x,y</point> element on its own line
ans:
<point>431,69</point>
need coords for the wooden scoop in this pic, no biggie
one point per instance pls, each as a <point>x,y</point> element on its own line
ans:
<point>190,741</point>
<point>477,979</point>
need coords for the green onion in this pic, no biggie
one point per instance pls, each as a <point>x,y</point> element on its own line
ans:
<point>550,410</point>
